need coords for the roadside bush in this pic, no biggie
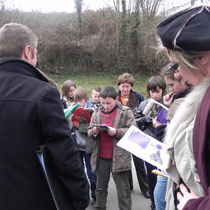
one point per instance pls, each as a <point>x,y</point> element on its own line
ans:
<point>99,49</point>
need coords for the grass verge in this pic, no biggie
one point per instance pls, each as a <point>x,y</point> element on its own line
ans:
<point>100,79</point>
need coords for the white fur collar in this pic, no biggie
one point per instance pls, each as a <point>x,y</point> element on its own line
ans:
<point>187,110</point>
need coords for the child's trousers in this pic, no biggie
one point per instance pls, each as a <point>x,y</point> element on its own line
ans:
<point>121,180</point>
<point>160,192</point>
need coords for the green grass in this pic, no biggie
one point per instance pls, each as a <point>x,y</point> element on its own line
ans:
<point>100,79</point>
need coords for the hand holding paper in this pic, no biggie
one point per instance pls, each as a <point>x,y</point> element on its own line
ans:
<point>112,131</point>
<point>98,127</point>
<point>96,131</point>
<point>155,122</point>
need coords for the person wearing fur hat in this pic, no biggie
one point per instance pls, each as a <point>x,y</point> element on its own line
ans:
<point>185,38</point>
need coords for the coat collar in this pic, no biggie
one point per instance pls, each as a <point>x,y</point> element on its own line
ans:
<point>17,65</point>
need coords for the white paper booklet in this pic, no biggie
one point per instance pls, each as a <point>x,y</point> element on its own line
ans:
<point>145,147</point>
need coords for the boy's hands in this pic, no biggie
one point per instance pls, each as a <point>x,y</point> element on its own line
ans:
<point>96,131</point>
<point>112,131</point>
<point>155,122</point>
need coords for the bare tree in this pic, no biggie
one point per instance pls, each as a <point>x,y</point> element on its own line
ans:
<point>116,4</point>
<point>78,5</point>
<point>123,20</point>
<point>201,1</point>
<point>2,3</point>
<point>149,9</point>
<point>135,27</point>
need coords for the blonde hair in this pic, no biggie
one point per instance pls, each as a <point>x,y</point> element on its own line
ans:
<point>187,59</point>
<point>79,94</point>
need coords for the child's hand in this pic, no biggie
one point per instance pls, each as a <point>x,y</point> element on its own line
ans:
<point>112,131</point>
<point>76,124</point>
<point>168,99</point>
<point>155,122</point>
<point>96,131</point>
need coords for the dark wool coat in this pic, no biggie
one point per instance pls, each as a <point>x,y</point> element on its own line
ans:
<point>31,114</point>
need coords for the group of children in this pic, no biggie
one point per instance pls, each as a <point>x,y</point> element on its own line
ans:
<point>72,95</point>
<point>98,147</point>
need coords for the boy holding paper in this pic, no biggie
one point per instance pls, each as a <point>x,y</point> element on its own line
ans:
<point>107,156</point>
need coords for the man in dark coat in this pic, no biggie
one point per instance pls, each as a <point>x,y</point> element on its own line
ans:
<point>32,115</point>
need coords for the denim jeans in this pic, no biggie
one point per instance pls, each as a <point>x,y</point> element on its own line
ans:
<point>160,192</point>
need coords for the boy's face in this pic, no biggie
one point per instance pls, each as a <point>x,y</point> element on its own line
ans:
<point>95,97</point>
<point>175,86</point>
<point>108,103</point>
<point>156,94</point>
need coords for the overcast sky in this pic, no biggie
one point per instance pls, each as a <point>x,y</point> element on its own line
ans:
<point>68,5</point>
<point>53,5</point>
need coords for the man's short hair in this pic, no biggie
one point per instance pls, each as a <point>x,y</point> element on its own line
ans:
<point>14,37</point>
<point>108,91</point>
